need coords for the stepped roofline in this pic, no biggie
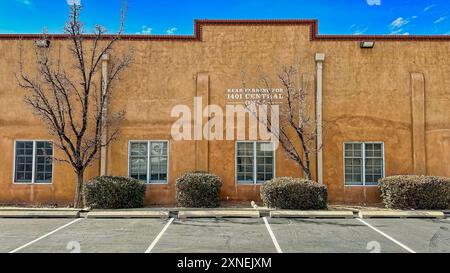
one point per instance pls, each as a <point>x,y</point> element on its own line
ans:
<point>198,24</point>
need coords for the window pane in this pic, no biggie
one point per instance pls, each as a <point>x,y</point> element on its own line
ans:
<point>158,161</point>
<point>373,163</point>
<point>164,148</point>
<point>138,149</point>
<point>138,160</point>
<point>352,164</point>
<point>264,161</point>
<point>24,162</point>
<point>156,148</point>
<point>44,161</point>
<point>244,162</point>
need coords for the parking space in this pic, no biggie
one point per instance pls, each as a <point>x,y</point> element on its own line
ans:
<point>224,235</point>
<point>216,235</point>
<point>329,235</point>
<point>17,232</point>
<point>421,235</point>
<point>101,235</point>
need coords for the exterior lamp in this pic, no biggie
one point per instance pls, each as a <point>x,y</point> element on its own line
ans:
<point>366,44</point>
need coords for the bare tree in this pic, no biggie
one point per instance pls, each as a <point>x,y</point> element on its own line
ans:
<point>297,127</point>
<point>68,96</point>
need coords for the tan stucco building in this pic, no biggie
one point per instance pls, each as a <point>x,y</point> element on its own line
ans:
<point>385,110</point>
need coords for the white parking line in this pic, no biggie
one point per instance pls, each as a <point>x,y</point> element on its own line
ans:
<point>274,240</point>
<point>46,235</point>
<point>149,249</point>
<point>387,236</point>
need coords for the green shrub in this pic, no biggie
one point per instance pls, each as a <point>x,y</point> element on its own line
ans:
<point>198,190</point>
<point>415,192</point>
<point>108,192</point>
<point>294,193</point>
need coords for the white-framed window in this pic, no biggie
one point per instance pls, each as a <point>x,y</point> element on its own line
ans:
<point>148,161</point>
<point>363,163</point>
<point>33,162</point>
<point>255,162</point>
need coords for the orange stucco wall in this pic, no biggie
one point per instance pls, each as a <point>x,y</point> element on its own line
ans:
<point>366,97</point>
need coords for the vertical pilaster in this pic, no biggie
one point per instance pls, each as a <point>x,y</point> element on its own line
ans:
<point>418,123</point>
<point>202,146</point>
<point>320,58</point>
<point>309,108</point>
<point>103,149</point>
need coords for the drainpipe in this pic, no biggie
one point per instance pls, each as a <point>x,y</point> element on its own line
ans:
<point>103,149</point>
<point>320,58</point>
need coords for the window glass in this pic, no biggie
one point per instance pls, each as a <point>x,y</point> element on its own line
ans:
<point>149,161</point>
<point>39,152</point>
<point>254,162</point>
<point>44,160</point>
<point>24,162</point>
<point>244,162</point>
<point>373,163</point>
<point>138,160</point>
<point>363,163</point>
<point>353,164</point>
<point>264,161</point>
<point>158,162</point>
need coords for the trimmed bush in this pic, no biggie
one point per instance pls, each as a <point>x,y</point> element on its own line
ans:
<point>198,190</point>
<point>294,193</point>
<point>415,192</point>
<point>109,192</point>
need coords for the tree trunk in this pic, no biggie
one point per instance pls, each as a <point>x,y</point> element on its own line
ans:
<point>308,174</point>
<point>79,195</point>
<point>308,167</point>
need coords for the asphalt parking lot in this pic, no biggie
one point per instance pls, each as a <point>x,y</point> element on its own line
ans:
<point>224,235</point>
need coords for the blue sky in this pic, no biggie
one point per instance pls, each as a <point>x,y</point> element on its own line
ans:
<point>176,17</point>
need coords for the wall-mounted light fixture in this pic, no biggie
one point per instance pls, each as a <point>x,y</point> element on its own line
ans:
<point>44,43</point>
<point>367,44</point>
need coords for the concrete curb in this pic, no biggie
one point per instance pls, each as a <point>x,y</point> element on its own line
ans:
<point>39,214</point>
<point>114,214</point>
<point>218,214</point>
<point>401,214</point>
<point>37,209</point>
<point>311,214</point>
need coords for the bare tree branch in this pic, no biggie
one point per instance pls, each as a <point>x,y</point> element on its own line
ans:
<point>298,130</point>
<point>65,95</point>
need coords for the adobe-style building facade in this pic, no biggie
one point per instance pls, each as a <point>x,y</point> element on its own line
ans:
<point>385,110</point>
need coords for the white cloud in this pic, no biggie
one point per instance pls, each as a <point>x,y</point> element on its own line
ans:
<point>397,26</point>
<point>373,2</point>
<point>398,31</point>
<point>171,31</point>
<point>146,30</point>
<point>429,7</point>
<point>358,29</point>
<point>440,19</point>
<point>27,3</point>
<point>398,23</point>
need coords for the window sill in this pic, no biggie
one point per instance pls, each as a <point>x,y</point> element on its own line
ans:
<point>248,184</point>
<point>31,183</point>
<point>361,186</point>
